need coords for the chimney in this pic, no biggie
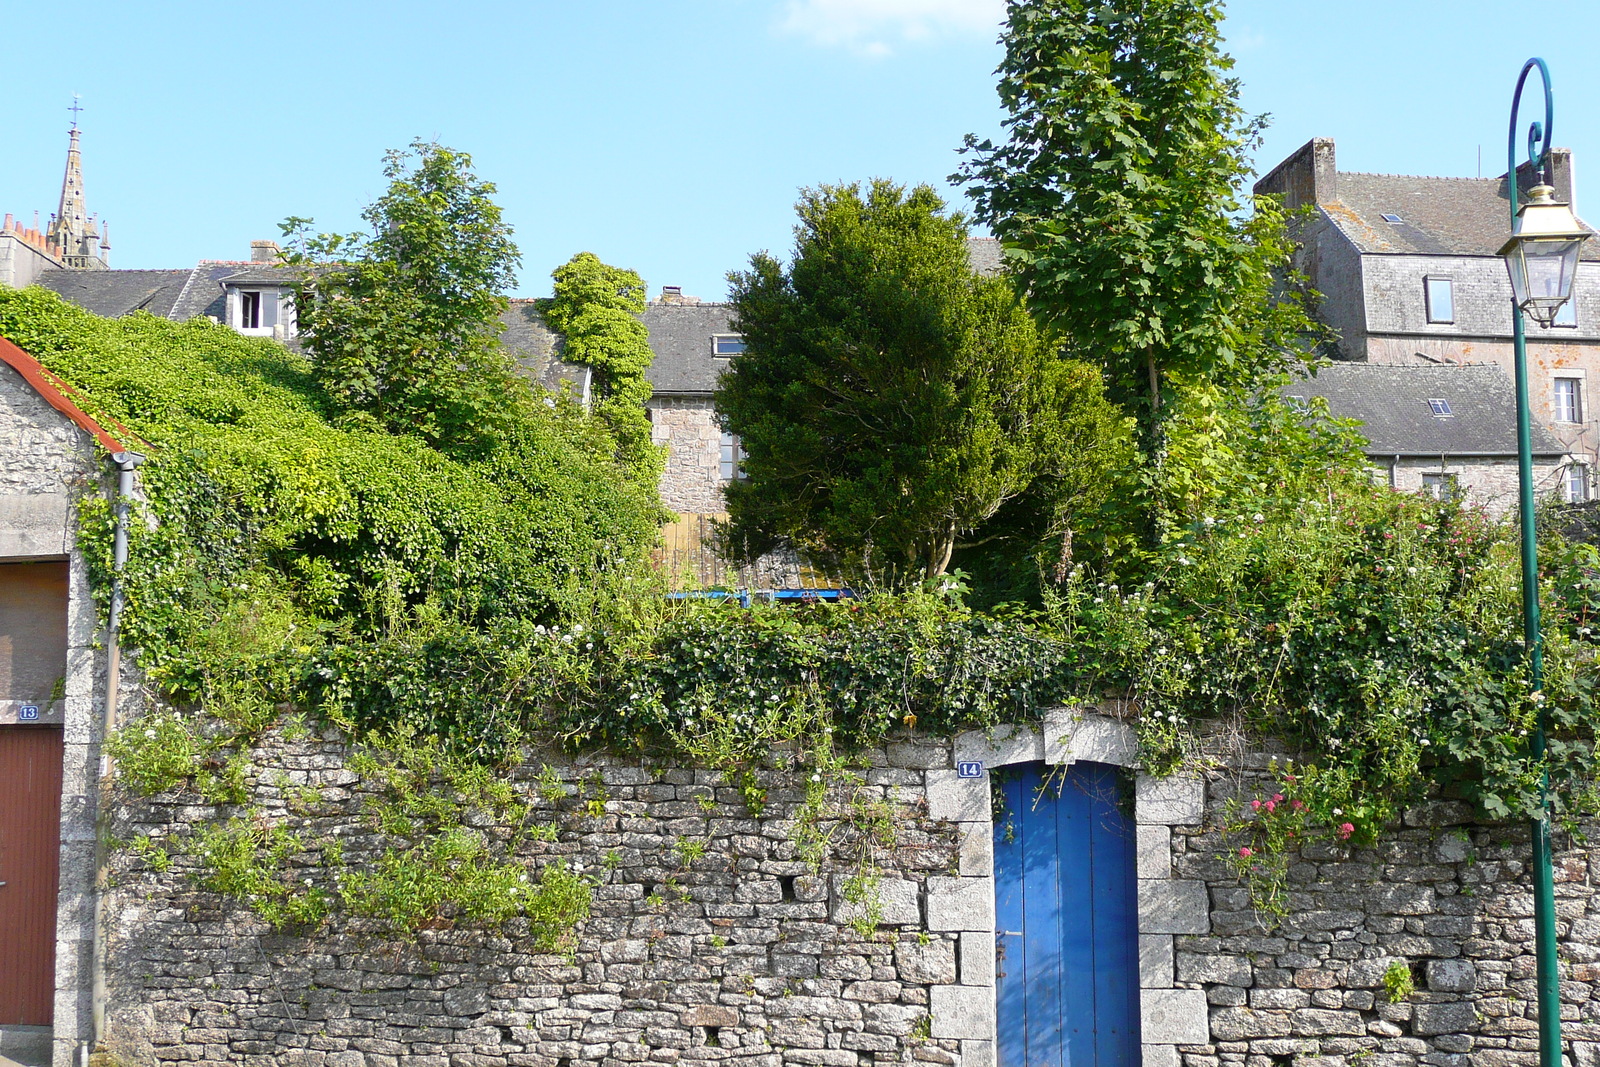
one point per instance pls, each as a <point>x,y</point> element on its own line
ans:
<point>264,251</point>
<point>1307,177</point>
<point>672,294</point>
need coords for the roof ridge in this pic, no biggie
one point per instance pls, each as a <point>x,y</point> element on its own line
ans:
<point>182,293</point>
<point>1430,177</point>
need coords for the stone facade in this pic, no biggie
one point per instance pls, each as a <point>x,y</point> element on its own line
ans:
<point>752,957</point>
<point>691,483</point>
<point>1489,481</point>
<point>45,462</point>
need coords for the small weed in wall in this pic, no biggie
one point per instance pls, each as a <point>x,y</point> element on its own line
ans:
<point>1398,982</point>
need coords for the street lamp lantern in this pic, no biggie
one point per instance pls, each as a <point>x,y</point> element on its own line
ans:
<point>1542,255</point>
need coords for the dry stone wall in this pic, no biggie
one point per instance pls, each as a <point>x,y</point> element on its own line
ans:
<point>746,953</point>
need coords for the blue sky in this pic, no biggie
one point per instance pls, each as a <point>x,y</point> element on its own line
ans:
<point>671,137</point>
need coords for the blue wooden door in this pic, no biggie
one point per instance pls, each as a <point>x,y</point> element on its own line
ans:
<point>1066,917</point>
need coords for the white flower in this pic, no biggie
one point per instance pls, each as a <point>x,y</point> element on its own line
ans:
<point>1259,517</point>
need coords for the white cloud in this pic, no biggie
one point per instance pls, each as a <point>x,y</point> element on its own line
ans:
<point>877,27</point>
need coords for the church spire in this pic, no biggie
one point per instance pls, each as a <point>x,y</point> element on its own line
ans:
<point>74,236</point>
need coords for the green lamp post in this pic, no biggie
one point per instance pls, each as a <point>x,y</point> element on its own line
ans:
<point>1542,258</point>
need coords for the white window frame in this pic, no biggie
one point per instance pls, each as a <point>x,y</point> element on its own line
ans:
<point>1575,483</point>
<point>730,453</point>
<point>716,338</point>
<point>1578,398</point>
<point>1441,485</point>
<point>1448,281</point>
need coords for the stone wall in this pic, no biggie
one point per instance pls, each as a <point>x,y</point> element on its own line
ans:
<point>1491,483</point>
<point>748,954</point>
<point>691,483</point>
<point>1445,897</point>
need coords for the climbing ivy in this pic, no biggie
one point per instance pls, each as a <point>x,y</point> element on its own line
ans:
<point>596,309</point>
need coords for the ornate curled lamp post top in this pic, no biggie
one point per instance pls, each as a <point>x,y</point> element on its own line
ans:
<point>1546,239</point>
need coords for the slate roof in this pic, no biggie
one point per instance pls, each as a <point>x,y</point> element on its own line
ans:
<point>1438,216</point>
<point>114,293</point>
<point>1392,403</point>
<point>536,348</point>
<point>680,337</point>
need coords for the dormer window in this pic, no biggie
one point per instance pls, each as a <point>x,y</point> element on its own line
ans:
<point>249,310</point>
<point>726,345</point>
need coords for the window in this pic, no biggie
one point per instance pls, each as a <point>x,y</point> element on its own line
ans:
<point>728,458</point>
<point>726,344</point>
<point>1439,485</point>
<point>1440,407</point>
<point>249,310</point>
<point>1388,217</point>
<point>1575,483</point>
<point>1441,300</point>
<point>1567,314</point>
<point>1569,399</point>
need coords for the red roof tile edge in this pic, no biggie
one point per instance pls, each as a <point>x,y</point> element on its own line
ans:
<point>59,395</point>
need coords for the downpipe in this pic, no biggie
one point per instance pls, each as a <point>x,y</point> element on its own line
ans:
<point>127,463</point>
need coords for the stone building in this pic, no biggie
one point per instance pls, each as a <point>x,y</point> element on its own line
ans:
<point>1408,272</point>
<point>53,702</point>
<point>1445,430</point>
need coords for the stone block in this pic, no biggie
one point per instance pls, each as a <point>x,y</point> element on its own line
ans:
<point>1173,906</point>
<point>1160,1056</point>
<point>1155,961</point>
<point>930,964</point>
<point>1458,1018</point>
<point>977,958</point>
<point>1226,969</point>
<point>976,1053</point>
<point>466,1000</point>
<point>977,849</point>
<point>1176,801</point>
<point>1071,735</point>
<point>896,900</point>
<point>1452,976</point>
<point>1174,1017</point>
<point>37,524</point>
<point>709,1015</point>
<point>960,904</point>
<point>962,1011</point>
<point>1153,858</point>
<point>958,799</point>
<point>1000,746</point>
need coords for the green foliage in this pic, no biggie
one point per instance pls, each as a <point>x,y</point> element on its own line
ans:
<point>1116,192</point>
<point>281,558</point>
<point>156,753</point>
<point>1398,981</point>
<point>404,323</point>
<point>1117,198</point>
<point>596,309</point>
<point>891,404</point>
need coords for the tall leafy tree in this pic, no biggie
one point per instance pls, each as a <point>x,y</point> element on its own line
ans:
<point>596,309</point>
<point>1117,196</point>
<point>403,322</point>
<point>891,402</point>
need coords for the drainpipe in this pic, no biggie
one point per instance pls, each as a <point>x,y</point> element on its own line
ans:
<point>127,463</point>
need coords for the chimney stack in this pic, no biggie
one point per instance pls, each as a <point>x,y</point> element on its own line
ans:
<point>264,251</point>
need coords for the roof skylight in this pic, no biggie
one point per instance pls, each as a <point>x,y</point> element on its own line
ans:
<point>1389,217</point>
<point>1440,407</point>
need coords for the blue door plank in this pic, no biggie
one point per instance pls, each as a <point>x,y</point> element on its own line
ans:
<point>1009,963</point>
<point>1116,962</point>
<point>1073,844</point>
<point>1042,906</point>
